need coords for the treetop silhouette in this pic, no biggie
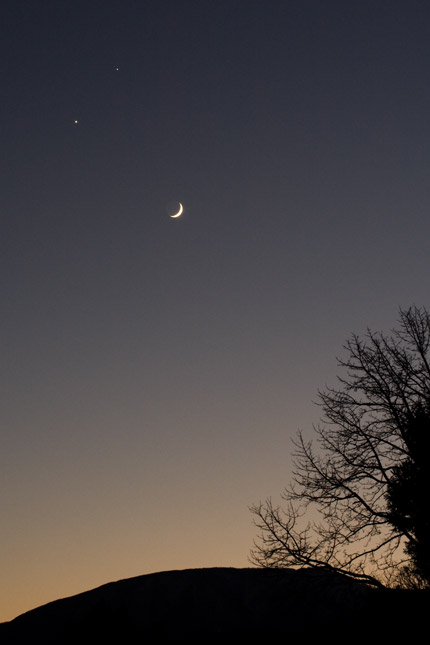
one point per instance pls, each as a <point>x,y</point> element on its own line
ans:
<point>365,485</point>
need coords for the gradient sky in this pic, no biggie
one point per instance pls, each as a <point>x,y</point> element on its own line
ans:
<point>154,371</point>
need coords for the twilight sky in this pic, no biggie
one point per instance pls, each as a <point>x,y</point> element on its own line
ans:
<point>154,371</point>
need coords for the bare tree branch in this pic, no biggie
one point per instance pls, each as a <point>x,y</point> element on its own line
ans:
<point>349,483</point>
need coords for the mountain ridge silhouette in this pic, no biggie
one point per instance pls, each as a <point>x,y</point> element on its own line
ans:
<point>217,601</point>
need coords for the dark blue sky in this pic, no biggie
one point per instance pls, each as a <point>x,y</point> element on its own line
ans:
<point>154,370</point>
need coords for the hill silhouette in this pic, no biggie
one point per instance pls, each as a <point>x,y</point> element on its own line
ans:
<point>220,602</point>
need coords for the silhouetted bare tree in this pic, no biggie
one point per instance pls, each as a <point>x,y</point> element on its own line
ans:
<point>365,488</point>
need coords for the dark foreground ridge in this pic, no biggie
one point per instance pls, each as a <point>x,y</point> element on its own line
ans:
<point>220,601</point>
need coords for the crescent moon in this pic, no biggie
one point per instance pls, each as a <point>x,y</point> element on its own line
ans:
<point>180,211</point>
